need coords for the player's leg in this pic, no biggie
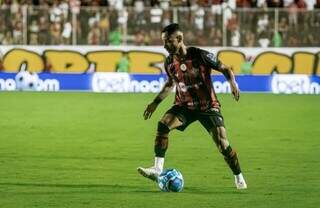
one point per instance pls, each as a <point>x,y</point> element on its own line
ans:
<point>165,125</point>
<point>218,135</point>
<point>230,155</point>
<point>215,126</point>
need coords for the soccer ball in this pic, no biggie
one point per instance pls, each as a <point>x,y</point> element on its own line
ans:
<point>170,180</point>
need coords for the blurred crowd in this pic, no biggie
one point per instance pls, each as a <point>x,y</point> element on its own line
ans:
<point>249,23</point>
<point>165,4</point>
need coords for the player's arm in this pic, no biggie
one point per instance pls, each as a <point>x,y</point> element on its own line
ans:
<point>228,74</point>
<point>213,62</point>
<point>165,91</point>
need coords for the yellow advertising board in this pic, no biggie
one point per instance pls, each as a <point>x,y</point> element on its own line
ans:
<point>149,60</point>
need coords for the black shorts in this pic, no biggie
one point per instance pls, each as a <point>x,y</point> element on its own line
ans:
<point>209,119</point>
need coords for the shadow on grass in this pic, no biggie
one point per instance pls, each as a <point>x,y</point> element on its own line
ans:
<point>107,188</point>
<point>215,191</point>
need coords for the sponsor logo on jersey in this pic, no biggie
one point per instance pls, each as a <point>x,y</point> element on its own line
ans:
<point>212,57</point>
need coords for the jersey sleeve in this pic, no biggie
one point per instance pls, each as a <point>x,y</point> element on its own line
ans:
<point>210,60</point>
<point>166,65</point>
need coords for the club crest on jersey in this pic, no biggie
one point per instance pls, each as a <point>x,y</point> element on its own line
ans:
<point>183,67</point>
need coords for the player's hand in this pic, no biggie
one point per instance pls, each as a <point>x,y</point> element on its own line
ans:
<point>149,110</point>
<point>235,91</point>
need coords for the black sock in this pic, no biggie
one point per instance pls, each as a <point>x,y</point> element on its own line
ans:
<point>161,146</point>
<point>230,156</point>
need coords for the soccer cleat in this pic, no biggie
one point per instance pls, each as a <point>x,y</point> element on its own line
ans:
<point>240,182</point>
<point>151,173</point>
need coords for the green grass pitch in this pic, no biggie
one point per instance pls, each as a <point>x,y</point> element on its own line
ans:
<point>82,149</point>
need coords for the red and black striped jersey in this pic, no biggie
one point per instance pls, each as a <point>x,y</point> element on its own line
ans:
<point>192,77</point>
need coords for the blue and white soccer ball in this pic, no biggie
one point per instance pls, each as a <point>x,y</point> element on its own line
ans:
<point>171,180</point>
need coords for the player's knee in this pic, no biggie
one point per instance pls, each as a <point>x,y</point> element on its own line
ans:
<point>163,128</point>
<point>221,133</point>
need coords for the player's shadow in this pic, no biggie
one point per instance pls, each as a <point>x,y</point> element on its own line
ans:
<point>45,188</point>
<point>217,191</point>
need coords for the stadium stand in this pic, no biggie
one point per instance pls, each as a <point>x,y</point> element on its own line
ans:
<point>249,23</point>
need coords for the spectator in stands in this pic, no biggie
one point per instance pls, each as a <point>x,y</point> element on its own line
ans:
<point>115,37</point>
<point>243,3</point>
<point>301,4</point>
<point>309,40</point>
<point>232,25</point>
<point>189,36</point>
<point>249,39</point>
<point>139,11</point>
<point>55,33</point>
<point>210,20</point>
<point>104,26</point>
<point>263,23</point>
<point>34,32</point>
<point>156,14</point>
<point>116,4</point>
<point>310,4</point>
<point>293,16</point>
<point>235,37</point>
<point>199,18</point>
<point>275,3</point>
<point>33,40</point>
<point>52,23</point>
<point>94,34</point>
<point>202,40</point>
<point>293,40</point>
<point>44,32</point>
<point>276,39</point>
<point>139,38</point>
<point>283,28</point>
<point>264,39</point>
<point>154,35</point>
<point>75,6</point>
<point>175,3</point>
<point>216,7</point>
<point>66,32</point>
<point>166,18</point>
<point>217,40</point>
<point>262,4</point>
<point>286,3</point>
<point>147,38</point>
<point>17,32</point>
<point>7,40</point>
<point>83,25</point>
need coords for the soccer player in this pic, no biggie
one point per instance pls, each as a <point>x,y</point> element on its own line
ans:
<point>189,69</point>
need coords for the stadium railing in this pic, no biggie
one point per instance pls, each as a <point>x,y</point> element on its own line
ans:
<point>32,25</point>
